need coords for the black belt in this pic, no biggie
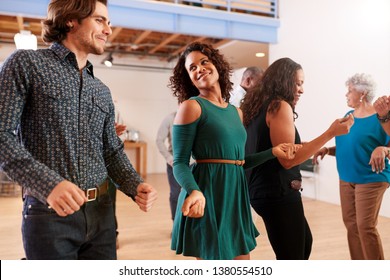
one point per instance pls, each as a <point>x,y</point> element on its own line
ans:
<point>94,193</point>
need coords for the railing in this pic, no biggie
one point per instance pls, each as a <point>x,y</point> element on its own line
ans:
<point>267,8</point>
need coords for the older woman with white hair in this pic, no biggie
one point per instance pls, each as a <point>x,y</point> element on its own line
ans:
<point>363,169</point>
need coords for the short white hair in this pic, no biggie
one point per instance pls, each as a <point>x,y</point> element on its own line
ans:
<point>363,83</point>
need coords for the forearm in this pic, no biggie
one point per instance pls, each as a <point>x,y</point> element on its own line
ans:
<point>184,177</point>
<point>183,141</point>
<point>122,172</point>
<point>20,166</point>
<point>331,151</point>
<point>258,158</point>
<point>308,149</point>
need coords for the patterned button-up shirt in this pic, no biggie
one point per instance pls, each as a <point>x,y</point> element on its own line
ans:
<point>56,123</point>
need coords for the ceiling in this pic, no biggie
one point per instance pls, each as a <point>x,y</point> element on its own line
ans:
<point>147,44</point>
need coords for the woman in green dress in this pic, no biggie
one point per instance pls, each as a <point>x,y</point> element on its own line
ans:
<point>213,219</point>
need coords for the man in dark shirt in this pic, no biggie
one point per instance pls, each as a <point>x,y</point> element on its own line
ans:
<point>58,139</point>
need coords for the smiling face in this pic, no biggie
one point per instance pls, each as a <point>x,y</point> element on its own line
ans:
<point>299,80</point>
<point>201,70</point>
<point>90,36</point>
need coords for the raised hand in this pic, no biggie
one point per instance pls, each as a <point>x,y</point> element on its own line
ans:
<point>382,106</point>
<point>341,126</point>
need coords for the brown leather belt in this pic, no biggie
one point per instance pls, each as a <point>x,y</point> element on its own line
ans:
<point>94,193</point>
<point>227,161</point>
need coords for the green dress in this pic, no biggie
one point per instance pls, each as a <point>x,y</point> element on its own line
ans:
<point>226,230</point>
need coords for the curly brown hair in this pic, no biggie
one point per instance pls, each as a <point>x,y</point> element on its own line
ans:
<point>180,82</point>
<point>59,12</point>
<point>277,84</point>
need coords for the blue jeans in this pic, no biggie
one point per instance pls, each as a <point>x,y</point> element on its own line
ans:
<point>174,190</point>
<point>87,234</point>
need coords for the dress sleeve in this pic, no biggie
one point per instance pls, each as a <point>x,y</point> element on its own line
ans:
<point>182,141</point>
<point>256,159</point>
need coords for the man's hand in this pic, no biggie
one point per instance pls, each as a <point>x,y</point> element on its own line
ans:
<point>66,198</point>
<point>146,196</point>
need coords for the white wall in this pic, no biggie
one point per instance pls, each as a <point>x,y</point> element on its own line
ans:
<point>333,40</point>
<point>143,99</point>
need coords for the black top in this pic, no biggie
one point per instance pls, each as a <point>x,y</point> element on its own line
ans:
<point>269,179</point>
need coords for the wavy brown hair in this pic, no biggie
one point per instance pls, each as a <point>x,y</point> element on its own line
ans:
<point>278,83</point>
<point>59,12</point>
<point>180,82</point>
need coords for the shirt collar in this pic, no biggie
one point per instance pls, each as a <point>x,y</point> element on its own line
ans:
<point>65,54</point>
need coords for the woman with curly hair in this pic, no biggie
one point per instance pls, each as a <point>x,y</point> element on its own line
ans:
<point>364,173</point>
<point>274,187</point>
<point>215,220</point>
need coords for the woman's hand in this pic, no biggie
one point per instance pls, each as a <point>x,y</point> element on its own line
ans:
<point>377,160</point>
<point>120,129</point>
<point>321,153</point>
<point>286,150</point>
<point>342,126</point>
<point>194,204</point>
<point>382,106</point>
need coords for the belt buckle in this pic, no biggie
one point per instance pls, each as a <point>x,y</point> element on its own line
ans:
<point>94,191</point>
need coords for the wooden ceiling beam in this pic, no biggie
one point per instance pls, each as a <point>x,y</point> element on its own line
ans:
<point>220,43</point>
<point>164,43</point>
<point>142,36</point>
<point>20,21</point>
<point>178,51</point>
<point>114,34</point>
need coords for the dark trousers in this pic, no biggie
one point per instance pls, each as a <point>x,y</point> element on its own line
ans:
<point>112,192</point>
<point>174,191</point>
<point>287,229</point>
<point>87,234</point>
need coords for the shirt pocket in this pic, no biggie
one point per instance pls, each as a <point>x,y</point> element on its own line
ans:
<point>100,112</point>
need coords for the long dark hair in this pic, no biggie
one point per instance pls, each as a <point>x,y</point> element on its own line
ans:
<point>59,12</point>
<point>180,82</point>
<point>278,83</point>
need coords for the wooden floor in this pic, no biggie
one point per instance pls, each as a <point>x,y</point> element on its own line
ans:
<point>146,236</point>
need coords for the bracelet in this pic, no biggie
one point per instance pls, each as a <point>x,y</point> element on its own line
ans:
<point>385,118</point>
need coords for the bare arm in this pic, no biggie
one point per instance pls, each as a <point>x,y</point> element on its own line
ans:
<point>282,130</point>
<point>188,112</point>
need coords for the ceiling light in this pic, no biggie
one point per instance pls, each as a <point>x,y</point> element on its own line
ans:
<point>25,40</point>
<point>260,54</point>
<point>108,60</point>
